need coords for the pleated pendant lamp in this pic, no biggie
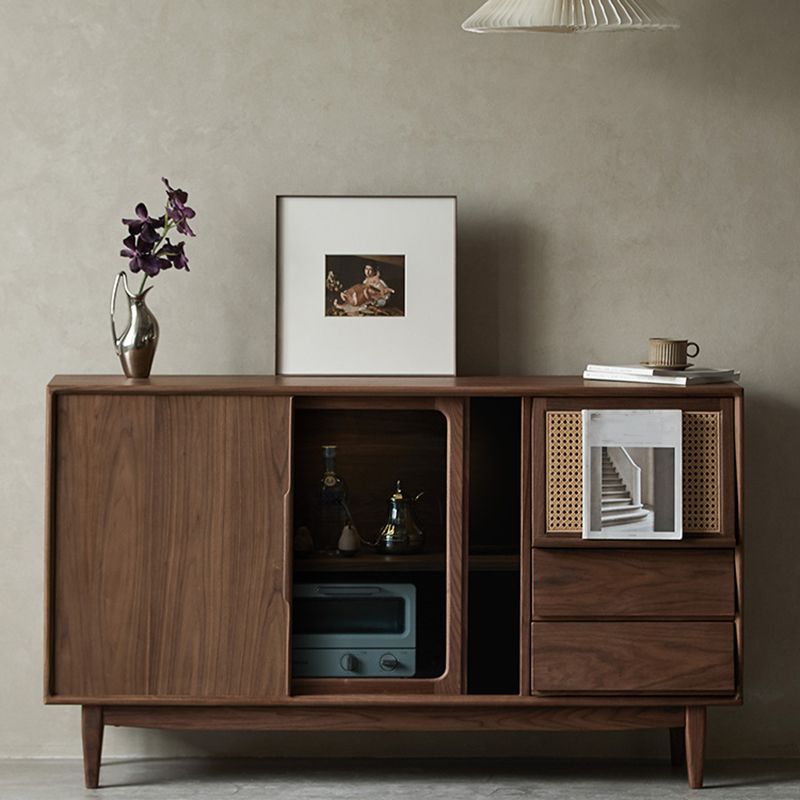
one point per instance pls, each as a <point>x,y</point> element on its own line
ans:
<point>570,16</point>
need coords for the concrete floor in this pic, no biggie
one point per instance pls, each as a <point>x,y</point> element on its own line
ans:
<point>379,779</point>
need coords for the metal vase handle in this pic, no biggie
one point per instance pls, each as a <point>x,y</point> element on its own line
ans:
<point>117,341</point>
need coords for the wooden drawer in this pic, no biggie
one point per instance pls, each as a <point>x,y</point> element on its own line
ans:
<point>633,583</point>
<point>633,657</point>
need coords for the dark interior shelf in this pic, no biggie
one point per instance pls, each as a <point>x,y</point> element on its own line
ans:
<point>494,563</point>
<point>421,562</point>
<point>371,562</point>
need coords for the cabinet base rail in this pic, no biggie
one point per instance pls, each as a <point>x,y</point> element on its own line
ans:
<point>690,721</point>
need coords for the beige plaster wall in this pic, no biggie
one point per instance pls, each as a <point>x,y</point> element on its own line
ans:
<point>611,188</point>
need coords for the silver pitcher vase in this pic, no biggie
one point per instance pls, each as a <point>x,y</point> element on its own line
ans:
<point>136,346</point>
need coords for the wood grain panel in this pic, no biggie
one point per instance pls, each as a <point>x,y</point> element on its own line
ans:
<point>738,416</point>
<point>347,687</point>
<point>467,386</point>
<point>454,409</point>
<point>632,583</point>
<point>416,700</point>
<point>389,718</point>
<point>169,546</point>
<point>220,610</point>
<point>631,657</point>
<point>104,449</point>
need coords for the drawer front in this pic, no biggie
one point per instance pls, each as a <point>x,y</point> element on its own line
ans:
<point>633,657</point>
<point>633,583</point>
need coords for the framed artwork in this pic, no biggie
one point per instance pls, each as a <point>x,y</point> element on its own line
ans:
<point>366,285</point>
<point>632,474</point>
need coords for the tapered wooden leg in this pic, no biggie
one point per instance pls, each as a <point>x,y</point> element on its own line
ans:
<point>695,745</point>
<point>677,747</point>
<point>92,735</point>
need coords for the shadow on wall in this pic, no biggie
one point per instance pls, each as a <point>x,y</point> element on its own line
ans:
<point>496,259</point>
<point>772,588</point>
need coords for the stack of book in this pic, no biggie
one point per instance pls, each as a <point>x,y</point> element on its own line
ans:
<point>636,373</point>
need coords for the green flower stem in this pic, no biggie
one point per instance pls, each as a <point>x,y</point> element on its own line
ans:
<point>168,226</point>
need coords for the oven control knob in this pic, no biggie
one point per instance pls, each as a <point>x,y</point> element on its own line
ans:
<point>348,662</point>
<point>388,662</point>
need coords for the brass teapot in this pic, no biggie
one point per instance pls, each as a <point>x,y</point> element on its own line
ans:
<point>401,534</point>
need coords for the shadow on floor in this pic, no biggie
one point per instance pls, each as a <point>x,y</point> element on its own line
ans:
<point>455,778</point>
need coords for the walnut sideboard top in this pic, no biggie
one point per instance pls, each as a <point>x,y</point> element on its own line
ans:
<point>544,386</point>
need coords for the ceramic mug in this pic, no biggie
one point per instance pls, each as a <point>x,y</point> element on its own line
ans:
<point>672,353</point>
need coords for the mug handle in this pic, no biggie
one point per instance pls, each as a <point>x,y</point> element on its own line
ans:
<point>696,350</point>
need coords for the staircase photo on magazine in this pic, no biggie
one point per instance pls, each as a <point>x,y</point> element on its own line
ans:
<point>632,474</point>
<point>621,498</point>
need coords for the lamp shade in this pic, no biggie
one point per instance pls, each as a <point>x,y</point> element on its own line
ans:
<point>569,16</point>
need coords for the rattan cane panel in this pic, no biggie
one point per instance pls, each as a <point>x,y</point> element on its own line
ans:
<point>564,472</point>
<point>701,472</point>
<point>702,458</point>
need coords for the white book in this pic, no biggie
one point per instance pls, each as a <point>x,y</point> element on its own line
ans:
<point>632,443</point>
<point>640,369</point>
<point>665,380</point>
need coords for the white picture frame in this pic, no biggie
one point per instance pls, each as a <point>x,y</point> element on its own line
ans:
<point>342,309</point>
<point>632,474</point>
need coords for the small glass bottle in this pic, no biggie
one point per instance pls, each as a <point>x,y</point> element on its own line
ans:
<point>333,498</point>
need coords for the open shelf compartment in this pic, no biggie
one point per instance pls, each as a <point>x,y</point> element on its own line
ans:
<point>496,451</point>
<point>419,442</point>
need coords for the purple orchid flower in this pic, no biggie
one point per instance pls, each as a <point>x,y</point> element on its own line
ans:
<point>176,255</point>
<point>147,247</point>
<point>141,258</point>
<point>177,209</point>
<point>144,225</point>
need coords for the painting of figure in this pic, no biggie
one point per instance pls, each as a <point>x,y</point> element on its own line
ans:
<point>365,286</point>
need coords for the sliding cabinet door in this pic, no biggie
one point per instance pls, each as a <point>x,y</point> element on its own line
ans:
<point>168,543</point>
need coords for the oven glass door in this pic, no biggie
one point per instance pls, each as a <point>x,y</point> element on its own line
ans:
<point>342,615</point>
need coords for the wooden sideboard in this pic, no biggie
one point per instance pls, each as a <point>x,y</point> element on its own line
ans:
<point>171,510</point>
